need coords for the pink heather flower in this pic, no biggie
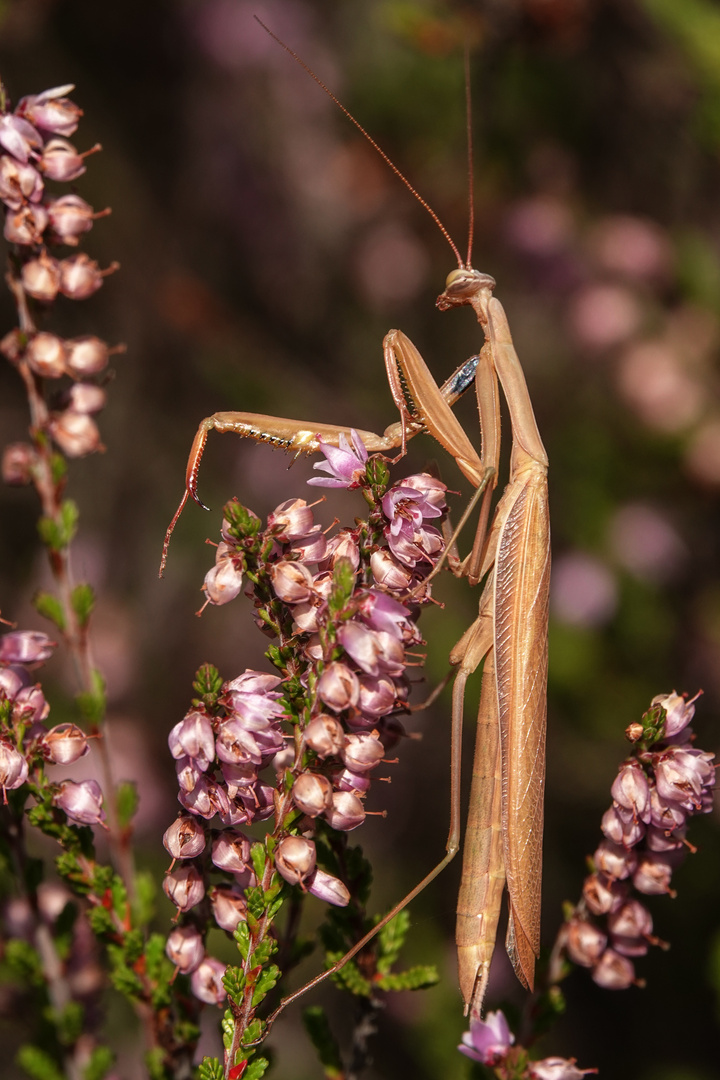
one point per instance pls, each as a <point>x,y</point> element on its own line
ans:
<point>18,462</point>
<point>377,696</point>
<point>13,769</point>
<point>312,793</point>
<point>81,802</point>
<point>64,744</point>
<point>231,852</point>
<point>206,799</point>
<point>223,581</point>
<point>615,861</point>
<point>654,872</point>
<point>61,161</point>
<point>239,777</point>
<point>206,981</point>
<point>361,644</point>
<point>613,971</point>
<point>344,464</point>
<point>26,225</point>
<point>193,738</point>
<point>488,1040</point>
<point>620,827</point>
<point>253,695</point>
<point>603,895</point>
<point>291,581</point>
<point>185,948</point>
<point>666,814</point>
<point>555,1068</point>
<point>383,612</point>
<point>31,705</point>
<point>338,687</point>
<point>343,545</point>
<point>240,740</point>
<point>324,734</point>
<point>665,840</point>
<point>407,504</point>
<point>346,811</point>
<point>362,751</point>
<point>25,647</point>
<point>311,548</point>
<point>75,433</point>
<point>585,942</point>
<point>184,887</point>
<point>51,110</point>
<point>410,548</point>
<point>295,859</point>
<point>18,182</point>
<point>631,790</point>
<point>185,838</point>
<point>41,277</point>
<point>80,276</point>
<point>679,711</point>
<point>291,520</point>
<point>347,780</point>
<point>83,397</point>
<point>18,137</point>
<point>86,356</point>
<point>229,906</point>
<point>681,775</point>
<point>328,888</point>
<point>70,216</point>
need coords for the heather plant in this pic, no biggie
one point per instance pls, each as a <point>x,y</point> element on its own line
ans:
<point>275,766</point>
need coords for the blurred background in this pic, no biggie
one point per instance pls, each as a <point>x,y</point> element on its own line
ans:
<point>265,251</point>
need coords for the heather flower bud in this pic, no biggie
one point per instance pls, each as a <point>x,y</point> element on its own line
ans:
<point>324,734</point>
<point>223,581</point>
<point>613,971</point>
<point>46,355</point>
<point>64,744</point>
<point>13,768</point>
<point>488,1040</point>
<point>328,888</point>
<point>61,161</point>
<point>41,277</point>
<point>295,859</point>
<point>346,811</point>
<point>51,110</point>
<point>292,582</point>
<point>25,647</point>
<point>630,790</point>
<point>80,276</point>
<point>18,461</point>
<point>184,887</point>
<point>70,217</point>
<point>207,981</point>
<point>81,802</point>
<point>185,948</point>
<point>229,906</point>
<point>231,852</point>
<point>585,943</point>
<point>18,182</point>
<point>362,752</point>
<point>26,225</point>
<point>338,687</point>
<point>615,861</point>
<point>312,793</point>
<point>86,356</point>
<point>185,838</point>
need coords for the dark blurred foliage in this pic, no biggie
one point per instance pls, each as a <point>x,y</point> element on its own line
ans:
<point>265,251</point>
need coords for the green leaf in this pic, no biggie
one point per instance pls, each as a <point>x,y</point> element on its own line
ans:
<point>258,856</point>
<point>256,1069</point>
<point>37,1064</point>
<point>92,702</point>
<point>127,801</point>
<point>24,961</point>
<point>144,903</point>
<point>58,467</point>
<point>57,533</point>
<point>391,940</point>
<point>208,682</point>
<point>234,982</point>
<point>318,1029</point>
<point>133,946</point>
<point>349,977</point>
<point>100,1063</point>
<point>155,1063</point>
<point>242,937</point>
<point>415,978</point>
<point>82,599</point>
<point>266,981</point>
<point>211,1069</point>
<point>343,585</point>
<point>126,981</point>
<point>252,1032</point>
<point>50,608</point>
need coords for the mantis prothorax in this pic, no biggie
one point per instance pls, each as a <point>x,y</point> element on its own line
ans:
<point>503,842</point>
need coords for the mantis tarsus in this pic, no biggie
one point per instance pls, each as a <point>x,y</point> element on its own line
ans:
<point>511,553</point>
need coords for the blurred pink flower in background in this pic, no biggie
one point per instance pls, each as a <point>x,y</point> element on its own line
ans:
<point>603,315</point>
<point>702,457</point>
<point>584,591</point>
<point>631,246</point>
<point>654,382</point>
<point>645,543</point>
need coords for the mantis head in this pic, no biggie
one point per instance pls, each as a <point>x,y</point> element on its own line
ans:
<point>466,286</point>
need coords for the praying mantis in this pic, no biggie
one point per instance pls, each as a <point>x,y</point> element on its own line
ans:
<point>511,557</point>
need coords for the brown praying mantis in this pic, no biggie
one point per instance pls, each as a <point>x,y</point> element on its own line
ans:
<point>511,555</point>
